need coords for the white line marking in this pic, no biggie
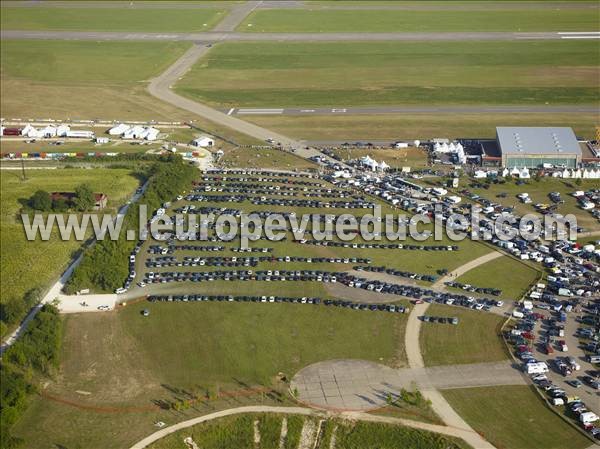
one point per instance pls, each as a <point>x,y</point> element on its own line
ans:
<point>578,32</point>
<point>307,110</point>
<point>580,37</point>
<point>231,111</point>
<point>338,110</point>
<point>259,112</point>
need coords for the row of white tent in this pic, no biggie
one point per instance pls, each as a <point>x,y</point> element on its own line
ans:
<point>451,148</point>
<point>134,132</point>
<point>576,174</point>
<point>372,164</point>
<point>51,131</point>
<point>523,173</point>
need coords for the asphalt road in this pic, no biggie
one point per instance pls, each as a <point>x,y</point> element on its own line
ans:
<point>341,110</point>
<point>215,36</point>
<point>279,4</point>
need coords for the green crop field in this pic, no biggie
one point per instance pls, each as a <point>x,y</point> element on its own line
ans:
<point>51,257</point>
<point>111,19</point>
<point>393,127</point>
<point>238,431</point>
<point>492,275</point>
<point>323,21</point>
<point>476,338</point>
<point>395,73</point>
<point>514,417</point>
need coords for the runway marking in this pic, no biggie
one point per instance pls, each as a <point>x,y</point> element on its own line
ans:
<point>260,111</point>
<point>307,110</point>
<point>580,37</point>
<point>231,111</point>
<point>578,32</point>
<point>338,110</point>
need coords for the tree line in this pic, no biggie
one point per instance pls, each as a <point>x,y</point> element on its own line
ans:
<point>105,265</point>
<point>34,356</point>
<point>83,200</point>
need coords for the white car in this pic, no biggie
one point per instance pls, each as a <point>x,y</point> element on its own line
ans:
<point>118,291</point>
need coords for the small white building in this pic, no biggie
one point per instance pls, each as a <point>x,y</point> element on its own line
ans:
<point>203,142</point>
<point>101,140</point>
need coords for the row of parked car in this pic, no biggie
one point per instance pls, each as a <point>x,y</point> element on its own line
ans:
<point>188,261</point>
<point>379,245</point>
<point>280,299</point>
<point>394,272</point>
<point>474,289</point>
<point>353,203</point>
<point>439,319</point>
<point>259,189</point>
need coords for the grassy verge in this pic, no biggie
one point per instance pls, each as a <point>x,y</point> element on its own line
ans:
<point>448,344</point>
<point>237,431</point>
<point>417,126</point>
<point>168,20</point>
<point>300,74</point>
<point>323,21</point>
<point>513,417</point>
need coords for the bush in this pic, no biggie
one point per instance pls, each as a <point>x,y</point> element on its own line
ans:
<point>41,201</point>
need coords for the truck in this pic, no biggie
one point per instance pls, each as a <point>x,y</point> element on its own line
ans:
<point>536,368</point>
<point>588,417</point>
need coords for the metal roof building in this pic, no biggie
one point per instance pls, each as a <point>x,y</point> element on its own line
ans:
<point>532,147</point>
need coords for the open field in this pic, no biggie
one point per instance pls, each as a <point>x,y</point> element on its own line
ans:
<point>395,158</point>
<point>538,192</point>
<point>11,146</point>
<point>111,19</point>
<point>514,417</point>
<point>459,73</point>
<point>271,158</point>
<point>51,257</point>
<point>91,80</point>
<point>237,431</point>
<point>121,359</point>
<point>505,273</point>
<point>416,126</point>
<point>315,21</point>
<point>476,338</point>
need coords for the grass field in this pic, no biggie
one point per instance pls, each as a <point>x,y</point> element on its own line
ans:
<point>514,417</point>
<point>538,191</point>
<point>395,158</point>
<point>353,74</point>
<point>91,80</point>
<point>509,275</point>
<point>412,126</point>
<point>476,338</point>
<point>251,158</point>
<point>111,19</point>
<point>238,431</point>
<point>323,21</point>
<point>11,146</point>
<point>26,265</point>
<point>122,359</point>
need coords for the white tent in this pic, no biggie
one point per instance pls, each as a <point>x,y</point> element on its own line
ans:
<point>151,133</point>
<point>480,174</point>
<point>48,131</point>
<point>203,142</point>
<point>62,130</point>
<point>515,172</point>
<point>118,130</point>
<point>134,133</point>
<point>524,174</point>
<point>383,166</point>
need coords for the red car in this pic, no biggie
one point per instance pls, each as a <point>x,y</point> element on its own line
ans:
<point>549,348</point>
<point>528,335</point>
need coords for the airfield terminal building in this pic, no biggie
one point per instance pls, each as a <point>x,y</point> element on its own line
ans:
<point>532,147</point>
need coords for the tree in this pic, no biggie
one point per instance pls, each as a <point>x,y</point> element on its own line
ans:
<point>60,205</point>
<point>578,181</point>
<point>84,197</point>
<point>41,201</point>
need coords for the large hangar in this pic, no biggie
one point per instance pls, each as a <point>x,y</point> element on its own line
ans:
<point>533,147</point>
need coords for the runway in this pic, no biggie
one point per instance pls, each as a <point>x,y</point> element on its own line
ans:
<point>216,36</point>
<point>413,110</point>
